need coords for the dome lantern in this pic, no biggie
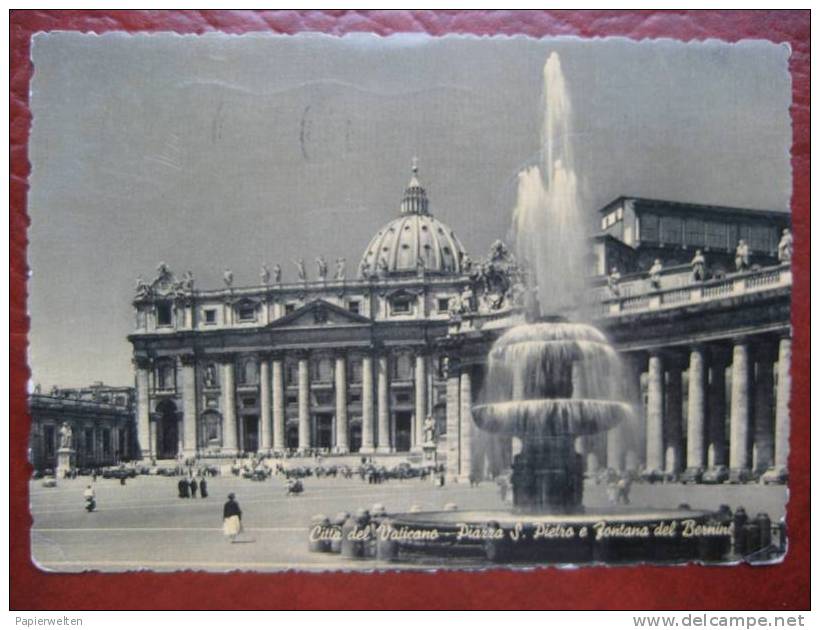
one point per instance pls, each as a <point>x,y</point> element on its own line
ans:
<point>415,197</point>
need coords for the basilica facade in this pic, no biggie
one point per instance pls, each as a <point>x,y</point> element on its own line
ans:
<point>358,362</point>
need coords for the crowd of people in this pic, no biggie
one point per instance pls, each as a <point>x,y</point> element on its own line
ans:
<point>189,486</point>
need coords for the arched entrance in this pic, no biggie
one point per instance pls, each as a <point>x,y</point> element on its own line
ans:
<point>167,430</point>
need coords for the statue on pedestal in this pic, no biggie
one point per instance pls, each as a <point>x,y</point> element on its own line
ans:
<point>655,274</point>
<point>65,435</point>
<point>321,268</point>
<point>300,270</point>
<point>614,281</point>
<point>786,247</point>
<point>264,275</point>
<point>340,268</point>
<point>228,278</point>
<point>698,267</point>
<point>364,269</point>
<point>143,289</point>
<point>429,430</point>
<point>277,274</point>
<point>742,255</point>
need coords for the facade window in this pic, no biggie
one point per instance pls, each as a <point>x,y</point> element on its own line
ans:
<point>323,370</point>
<point>695,232</point>
<point>210,316</point>
<point>401,304</point>
<point>246,312</point>
<point>354,306</point>
<point>212,428</point>
<point>403,398</point>
<point>671,230</point>
<point>402,367</point>
<point>248,374</point>
<point>649,228</point>
<point>291,374</point>
<point>289,308</point>
<point>354,370</point>
<point>166,375</point>
<point>292,399</point>
<point>441,367</point>
<point>716,235</point>
<point>164,314</point>
<point>355,398</point>
<point>443,305</point>
<point>249,402</point>
<point>324,399</point>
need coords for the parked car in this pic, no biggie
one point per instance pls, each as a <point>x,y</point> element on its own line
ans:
<point>692,475</point>
<point>717,474</point>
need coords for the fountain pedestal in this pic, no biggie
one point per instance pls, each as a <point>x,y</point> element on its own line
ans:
<point>548,476</point>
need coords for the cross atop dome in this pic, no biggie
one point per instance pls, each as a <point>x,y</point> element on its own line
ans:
<point>415,166</point>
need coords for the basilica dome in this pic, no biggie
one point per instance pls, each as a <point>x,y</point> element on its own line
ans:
<point>414,239</point>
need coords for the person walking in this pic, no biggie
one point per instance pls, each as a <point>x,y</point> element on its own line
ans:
<point>203,488</point>
<point>231,518</point>
<point>194,487</point>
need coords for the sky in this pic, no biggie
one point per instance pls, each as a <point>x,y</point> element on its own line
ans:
<point>215,151</point>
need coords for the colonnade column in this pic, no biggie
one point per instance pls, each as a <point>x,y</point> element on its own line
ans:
<point>696,417</point>
<point>189,414</point>
<point>635,435</point>
<point>278,400</point>
<point>229,430</point>
<point>383,437</point>
<point>674,418</point>
<point>453,413</point>
<point>739,422</point>
<point>781,420</point>
<point>763,449</point>
<point>342,444</point>
<point>367,405</point>
<point>655,413</point>
<point>421,401</point>
<point>146,447</point>
<point>466,424</point>
<point>716,452</point>
<point>304,403</point>
<point>265,432</point>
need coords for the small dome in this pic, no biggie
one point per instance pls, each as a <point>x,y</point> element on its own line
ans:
<point>416,237</point>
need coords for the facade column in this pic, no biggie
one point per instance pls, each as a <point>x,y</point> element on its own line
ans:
<point>466,424</point>
<point>763,445</point>
<point>189,406</point>
<point>265,429</point>
<point>696,416</point>
<point>229,429</point>
<point>674,418</point>
<point>420,414</point>
<point>453,414</point>
<point>367,405</point>
<point>716,452</point>
<point>615,447</point>
<point>740,417</point>
<point>383,443</point>
<point>147,448</point>
<point>304,403</point>
<point>342,444</point>
<point>278,401</point>
<point>655,414</point>
<point>782,421</point>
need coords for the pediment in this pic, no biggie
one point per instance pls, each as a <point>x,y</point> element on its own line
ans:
<point>319,313</point>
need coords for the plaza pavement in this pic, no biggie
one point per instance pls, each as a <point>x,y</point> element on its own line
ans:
<point>143,525</point>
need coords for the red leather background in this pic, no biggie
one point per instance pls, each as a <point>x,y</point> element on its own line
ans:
<point>782,586</point>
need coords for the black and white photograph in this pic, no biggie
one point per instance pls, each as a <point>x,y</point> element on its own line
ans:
<point>407,303</point>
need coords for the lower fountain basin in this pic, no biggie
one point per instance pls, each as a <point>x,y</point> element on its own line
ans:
<point>550,416</point>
